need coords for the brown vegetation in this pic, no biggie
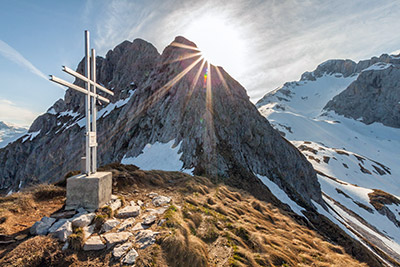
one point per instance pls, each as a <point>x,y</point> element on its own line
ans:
<point>206,225</point>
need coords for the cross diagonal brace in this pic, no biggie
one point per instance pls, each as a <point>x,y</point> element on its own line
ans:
<point>83,78</point>
<point>75,87</point>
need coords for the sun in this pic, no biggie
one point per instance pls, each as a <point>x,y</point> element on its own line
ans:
<point>218,40</point>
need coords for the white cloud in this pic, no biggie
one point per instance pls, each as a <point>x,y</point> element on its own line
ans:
<point>13,55</point>
<point>283,38</point>
<point>10,112</point>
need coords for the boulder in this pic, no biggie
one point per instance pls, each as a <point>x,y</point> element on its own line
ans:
<point>161,200</point>
<point>126,224</point>
<point>128,211</point>
<point>145,238</point>
<point>62,232</point>
<point>115,204</point>
<point>42,227</point>
<point>113,239</point>
<point>148,220</point>
<point>89,230</point>
<point>121,249</point>
<point>57,225</point>
<point>94,243</point>
<point>83,220</point>
<point>130,258</point>
<point>109,225</point>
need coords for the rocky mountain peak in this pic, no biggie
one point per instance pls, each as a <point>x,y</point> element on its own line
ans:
<point>178,97</point>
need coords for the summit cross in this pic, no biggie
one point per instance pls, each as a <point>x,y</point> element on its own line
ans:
<point>90,103</point>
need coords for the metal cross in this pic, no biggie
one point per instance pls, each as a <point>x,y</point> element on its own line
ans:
<point>90,102</point>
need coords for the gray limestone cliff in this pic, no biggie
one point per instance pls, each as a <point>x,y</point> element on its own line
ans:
<point>159,98</point>
<point>373,97</point>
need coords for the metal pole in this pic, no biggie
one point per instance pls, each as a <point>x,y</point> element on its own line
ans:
<point>94,111</point>
<point>87,101</point>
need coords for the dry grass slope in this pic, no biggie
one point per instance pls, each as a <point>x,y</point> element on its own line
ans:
<point>206,225</point>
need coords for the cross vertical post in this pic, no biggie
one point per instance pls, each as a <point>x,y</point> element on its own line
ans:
<point>87,102</point>
<point>93,147</point>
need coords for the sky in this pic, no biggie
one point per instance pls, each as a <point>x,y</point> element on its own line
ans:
<point>262,44</point>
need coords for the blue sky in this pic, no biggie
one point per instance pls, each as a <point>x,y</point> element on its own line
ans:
<point>262,44</point>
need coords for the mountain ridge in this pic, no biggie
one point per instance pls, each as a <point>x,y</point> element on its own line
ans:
<point>168,102</point>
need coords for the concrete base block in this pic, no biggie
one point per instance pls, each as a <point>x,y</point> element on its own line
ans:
<point>89,192</point>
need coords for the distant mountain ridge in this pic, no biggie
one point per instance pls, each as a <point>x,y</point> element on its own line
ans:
<point>344,117</point>
<point>10,132</point>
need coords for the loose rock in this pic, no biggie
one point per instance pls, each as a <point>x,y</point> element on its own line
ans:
<point>128,211</point>
<point>88,230</point>
<point>126,224</point>
<point>140,203</point>
<point>63,215</point>
<point>121,249</point>
<point>152,194</point>
<point>63,231</point>
<point>148,220</point>
<point>161,200</point>
<point>113,239</point>
<point>83,220</point>
<point>145,238</point>
<point>42,227</point>
<point>57,225</point>
<point>116,204</point>
<point>94,243</point>
<point>130,258</point>
<point>109,225</point>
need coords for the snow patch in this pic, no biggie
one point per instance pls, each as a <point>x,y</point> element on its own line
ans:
<point>281,195</point>
<point>158,156</point>
<point>30,136</point>
<point>379,66</point>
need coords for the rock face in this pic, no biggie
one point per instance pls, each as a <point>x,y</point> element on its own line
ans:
<point>163,98</point>
<point>373,97</point>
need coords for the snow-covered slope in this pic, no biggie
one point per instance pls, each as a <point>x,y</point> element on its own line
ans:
<point>10,133</point>
<point>358,164</point>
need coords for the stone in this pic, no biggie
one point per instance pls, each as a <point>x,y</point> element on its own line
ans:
<point>109,225</point>
<point>152,194</point>
<point>94,243</point>
<point>133,203</point>
<point>116,204</point>
<point>89,230</point>
<point>128,211</point>
<point>65,247</point>
<point>120,250</point>
<point>63,214</point>
<point>20,237</point>
<point>57,225</point>
<point>90,192</point>
<point>63,232</point>
<point>140,203</point>
<point>159,211</point>
<point>145,238</point>
<point>130,257</point>
<point>126,224</point>
<point>148,220</point>
<point>42,227</point>
<point>113,239</point>
<point>161,222</point>
<point>138,226</point>
<point>83,220</point>
<point>161,200</point>
<point>114,197</point>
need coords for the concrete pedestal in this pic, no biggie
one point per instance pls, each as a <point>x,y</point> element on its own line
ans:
<point>89,192</point>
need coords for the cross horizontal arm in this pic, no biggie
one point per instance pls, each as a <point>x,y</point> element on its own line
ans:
<point>75,87</point>
<point>83,78</point>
